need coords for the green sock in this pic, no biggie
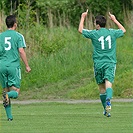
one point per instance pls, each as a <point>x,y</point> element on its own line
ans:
<point>12,94</point>
<point>103,99</point>
<point>8,111</point>
<point>109,92</point>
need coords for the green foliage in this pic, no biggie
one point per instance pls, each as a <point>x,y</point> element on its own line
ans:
<point>61,12</point>
<point>46,41</point>
<point>60,64</point>
<point>26,17</point>
<point>68,72</point>
<point>73,9</point>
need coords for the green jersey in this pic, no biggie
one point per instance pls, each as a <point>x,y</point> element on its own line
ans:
<point>12,41</point>
<point>104,44</point>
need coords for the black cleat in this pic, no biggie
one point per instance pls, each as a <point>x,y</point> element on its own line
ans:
<point>5,99</point>
<point>9,119</point>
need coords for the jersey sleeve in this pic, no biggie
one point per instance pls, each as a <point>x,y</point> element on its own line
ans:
<point>87,33</point>
<point>21,42</point>
<point>2,47</point>
<point>118,33</point>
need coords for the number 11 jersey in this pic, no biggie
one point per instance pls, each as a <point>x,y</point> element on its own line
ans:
<point>104,44</point>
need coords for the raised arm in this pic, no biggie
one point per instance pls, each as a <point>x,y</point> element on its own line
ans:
<point>113,18</point>
<point>81,24</point>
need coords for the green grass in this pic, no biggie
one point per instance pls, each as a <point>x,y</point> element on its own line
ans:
<point>54,117</point>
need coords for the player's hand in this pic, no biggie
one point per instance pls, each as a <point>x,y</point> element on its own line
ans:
<point>112,17</point>
<point>28,69</point>
<point>84,14</point>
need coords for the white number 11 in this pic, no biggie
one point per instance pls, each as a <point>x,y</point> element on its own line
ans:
<point>108,39</point>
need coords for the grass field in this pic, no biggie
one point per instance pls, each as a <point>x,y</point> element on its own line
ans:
<point>53,117</point>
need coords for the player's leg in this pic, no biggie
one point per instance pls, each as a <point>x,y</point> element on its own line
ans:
<point>109,89</point>
<point>102,90</point>
<point>6,100</point>
<point>13,83</point>
<point>109,79</point>
<point>109,92</point>
<point>99,76</point>
<point>14,92</point>
<point>7,95</point>
<point>7,104</point>
<point>98,73</point>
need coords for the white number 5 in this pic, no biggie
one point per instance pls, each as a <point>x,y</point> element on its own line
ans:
<point>108,39</point>
<point>8,43</point>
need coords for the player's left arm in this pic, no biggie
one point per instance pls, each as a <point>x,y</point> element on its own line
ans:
<point>81,24</point>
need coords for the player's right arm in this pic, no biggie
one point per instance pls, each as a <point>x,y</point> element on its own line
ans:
<point>113,18</point>
<point>81,24</point>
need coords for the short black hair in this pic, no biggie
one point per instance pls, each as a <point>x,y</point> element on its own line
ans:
<point>101,20</point>
<point>10,21</point>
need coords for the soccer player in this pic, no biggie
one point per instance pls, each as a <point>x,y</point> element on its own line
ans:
<point>104,55</point>
<point>12,45</point>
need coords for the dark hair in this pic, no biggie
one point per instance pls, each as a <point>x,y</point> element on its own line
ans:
<point>101,20</point>
<point>10,21</point>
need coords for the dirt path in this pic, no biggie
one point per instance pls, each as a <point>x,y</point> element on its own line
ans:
<point>67,101</point>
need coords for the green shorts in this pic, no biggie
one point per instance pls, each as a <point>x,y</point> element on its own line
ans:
<point>104,72</point>
<point>10,76</point>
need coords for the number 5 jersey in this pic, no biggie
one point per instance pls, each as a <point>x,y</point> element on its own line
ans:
<point>12,41</point>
